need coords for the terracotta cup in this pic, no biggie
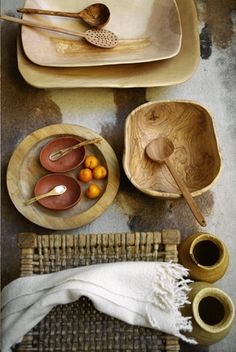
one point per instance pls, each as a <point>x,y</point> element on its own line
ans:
<point>205,255</point>
<point>212,312</point>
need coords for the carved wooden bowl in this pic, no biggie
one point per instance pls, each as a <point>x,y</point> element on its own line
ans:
<point>196,157</point>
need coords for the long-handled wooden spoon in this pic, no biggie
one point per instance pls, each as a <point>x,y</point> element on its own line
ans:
<point>96,15</point>
<point>62,152</point>
<point>160,150</point>
<point>56,191</point>
<point>98,37</point>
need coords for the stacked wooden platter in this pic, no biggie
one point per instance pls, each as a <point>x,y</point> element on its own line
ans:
<point>168,71</point>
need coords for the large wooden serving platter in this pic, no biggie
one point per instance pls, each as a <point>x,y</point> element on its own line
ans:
<point>24,170</point>
<point>145,33</point>
<point>151,74</point>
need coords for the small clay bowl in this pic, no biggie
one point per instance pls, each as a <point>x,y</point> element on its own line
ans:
<point>63,201</point>
<point>68,162</point>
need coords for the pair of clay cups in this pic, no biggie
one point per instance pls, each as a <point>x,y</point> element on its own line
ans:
<point>212,310</point>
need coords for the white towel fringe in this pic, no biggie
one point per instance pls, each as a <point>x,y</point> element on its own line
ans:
<point>170,292</point>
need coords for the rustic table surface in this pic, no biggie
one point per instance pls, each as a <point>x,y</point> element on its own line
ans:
<point>25,109</point>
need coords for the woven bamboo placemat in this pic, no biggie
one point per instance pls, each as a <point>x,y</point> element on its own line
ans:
<point>79,326</point>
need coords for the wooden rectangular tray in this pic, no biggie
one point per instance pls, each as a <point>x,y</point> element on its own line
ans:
<point>145,33</point>
<point>151,74</point>
<point>79,326</point>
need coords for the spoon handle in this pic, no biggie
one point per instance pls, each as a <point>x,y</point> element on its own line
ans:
<point>39,25</point>
<point>48,12</point>
<point>187,195</point>
<point>60,153</point>
<point>34,199</point>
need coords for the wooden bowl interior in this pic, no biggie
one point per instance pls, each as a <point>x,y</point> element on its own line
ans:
<point>196,156</point>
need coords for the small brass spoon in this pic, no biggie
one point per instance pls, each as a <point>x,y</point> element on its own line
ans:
<point>56,191</point>
<point>98,37</point>
<point>96,15</point>
<point>160,149</point>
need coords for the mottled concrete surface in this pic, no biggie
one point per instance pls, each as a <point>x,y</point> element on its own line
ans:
<point>25,109</point>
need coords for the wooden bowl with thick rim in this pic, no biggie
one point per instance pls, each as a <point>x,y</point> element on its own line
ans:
<point>196,156</point>
<point>24,170</point>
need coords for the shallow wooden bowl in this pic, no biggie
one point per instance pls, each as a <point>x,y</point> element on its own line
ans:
<point>24,171</point>
<point>196,157</point>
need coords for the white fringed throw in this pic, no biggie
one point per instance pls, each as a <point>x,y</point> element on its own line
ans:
<point>148,294</point>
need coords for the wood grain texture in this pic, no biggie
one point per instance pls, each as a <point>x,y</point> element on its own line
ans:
<point>96,15</point>
<point>196,157</point>
<point>150,33</point>
<point>48,12</point>
<point>21,179</point>
<point>158,73</point>
<point>160,150</point>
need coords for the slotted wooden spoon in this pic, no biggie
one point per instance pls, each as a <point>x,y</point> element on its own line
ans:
<point>98,37</point>
<point>160,149</point>
<point>96,15</point>
<point>63,152</point>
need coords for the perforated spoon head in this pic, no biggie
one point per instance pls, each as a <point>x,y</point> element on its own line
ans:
<point>101,38</point>
<point>98,37</point>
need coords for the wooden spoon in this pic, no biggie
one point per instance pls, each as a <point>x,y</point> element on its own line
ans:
<point>160,150</point>
<point>62,152</point>
<point>96,15</point>
<point>98,37</point>
<point>56,191</point>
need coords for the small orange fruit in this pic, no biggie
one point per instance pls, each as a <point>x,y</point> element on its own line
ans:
<point>93,191</point>
<point>85,175</point>
<point>91,162</point>
<point>99,172</point>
